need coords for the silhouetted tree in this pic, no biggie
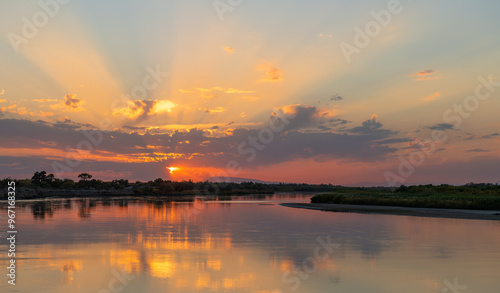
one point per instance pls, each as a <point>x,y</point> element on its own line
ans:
<point>38,178</point>
<point>49,178</point>
<point>85,176</point>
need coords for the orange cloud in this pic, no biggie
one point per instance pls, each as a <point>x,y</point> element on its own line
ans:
<point>426,75</point>
<point>198,173</point>
<point>235,91</point>
<point>273,73</point>
<point>2,92</point>
<point>22,111</point>
<point>42,114</point>
<point>2,100</point>
<point>253,99</point>
<point>8,109</point>
<point>432,97</point>
<point>229,50</point>
<point>140,109</point>
<point>45,100</point>
<point>225,90</point>
<point>71,101</point>
<point>215,110</point>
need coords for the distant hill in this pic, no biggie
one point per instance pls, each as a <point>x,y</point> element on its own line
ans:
<point>238,180</point>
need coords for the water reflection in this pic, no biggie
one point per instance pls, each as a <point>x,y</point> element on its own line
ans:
<point>247,244</point>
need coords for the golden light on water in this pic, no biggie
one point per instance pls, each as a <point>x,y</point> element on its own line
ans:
<point>172,169</point>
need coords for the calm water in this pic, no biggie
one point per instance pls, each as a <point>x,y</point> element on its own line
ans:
<point>248,244</point>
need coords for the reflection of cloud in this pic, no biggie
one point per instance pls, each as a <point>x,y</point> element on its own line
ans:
<point>273,73</point>
<point>425,75</point>
<point>229,50</point>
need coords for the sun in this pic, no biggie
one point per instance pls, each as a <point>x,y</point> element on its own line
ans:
<point>172,169</point>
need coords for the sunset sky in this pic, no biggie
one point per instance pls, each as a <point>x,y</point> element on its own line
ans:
<point>128,89</point>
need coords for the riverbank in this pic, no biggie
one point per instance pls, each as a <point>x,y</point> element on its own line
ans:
<point>403,211</point>
<point>24,193</point>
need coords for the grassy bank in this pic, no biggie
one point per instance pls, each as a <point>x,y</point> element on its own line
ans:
<point>478,197</point>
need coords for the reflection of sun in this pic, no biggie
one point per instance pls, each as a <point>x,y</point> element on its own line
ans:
<point>172,169</point>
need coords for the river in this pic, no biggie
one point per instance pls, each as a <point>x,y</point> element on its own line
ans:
<point>246,244</point>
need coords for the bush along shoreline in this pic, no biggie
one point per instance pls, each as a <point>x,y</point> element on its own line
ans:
<point>482,196</point>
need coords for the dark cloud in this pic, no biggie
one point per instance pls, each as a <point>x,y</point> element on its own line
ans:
<point>394,140</point>
<point>490,136</point>
<point>68,124</point>
<point>338,121</point>
<point>471,136</point>
<point>336,98</point>
<point>372,127</point>
<point>303,117</point>
<point>300,116</point>
<point>193,147</point>
<point>442,126</point>
<point>136,128</point>
<point>477,150</point>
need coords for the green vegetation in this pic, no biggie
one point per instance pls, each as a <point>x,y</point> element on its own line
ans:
<point>481,196</point>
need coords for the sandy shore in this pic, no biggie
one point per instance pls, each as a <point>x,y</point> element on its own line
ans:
<point>404,211</point>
